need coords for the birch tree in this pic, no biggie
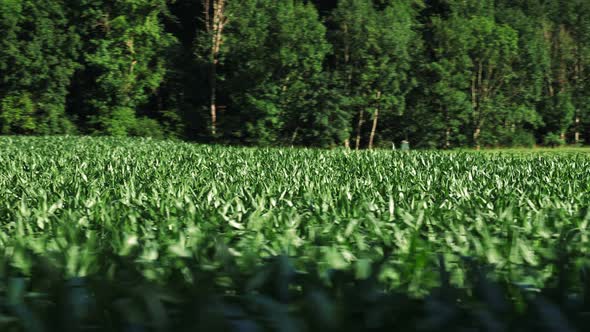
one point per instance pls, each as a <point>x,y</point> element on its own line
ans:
<point>215,20</point>
<point>373,55</point>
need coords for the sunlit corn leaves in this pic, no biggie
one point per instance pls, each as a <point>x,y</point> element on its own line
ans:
<point>134,212</point>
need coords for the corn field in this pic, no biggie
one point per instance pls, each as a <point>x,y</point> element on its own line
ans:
<point>105,234</point>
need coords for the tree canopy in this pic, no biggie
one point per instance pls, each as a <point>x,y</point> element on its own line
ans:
<point>356,73</point>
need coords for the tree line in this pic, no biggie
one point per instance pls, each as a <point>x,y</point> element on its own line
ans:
<point>356,73</point>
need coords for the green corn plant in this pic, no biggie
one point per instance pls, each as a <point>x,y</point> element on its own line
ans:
<point>145,235</point>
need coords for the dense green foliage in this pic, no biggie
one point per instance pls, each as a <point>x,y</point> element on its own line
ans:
<point>360,73</point>
<point>195,219</point>
<point>38,52</point>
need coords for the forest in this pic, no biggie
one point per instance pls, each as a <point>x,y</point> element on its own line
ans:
<point>355,73</point>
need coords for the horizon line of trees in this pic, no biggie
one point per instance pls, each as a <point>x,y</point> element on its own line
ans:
<point>355,73</point>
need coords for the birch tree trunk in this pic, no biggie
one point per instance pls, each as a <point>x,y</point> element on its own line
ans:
<point>215,21</point>
<point>577,134</point>
<point>475,107</point>
<point>375,119</point>
<point>359,128</point>
<point>373,129</point>
<point>577,77</point>
<point>447,130</point>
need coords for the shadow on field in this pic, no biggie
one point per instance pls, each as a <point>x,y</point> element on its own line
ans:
<point>278,298</point>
